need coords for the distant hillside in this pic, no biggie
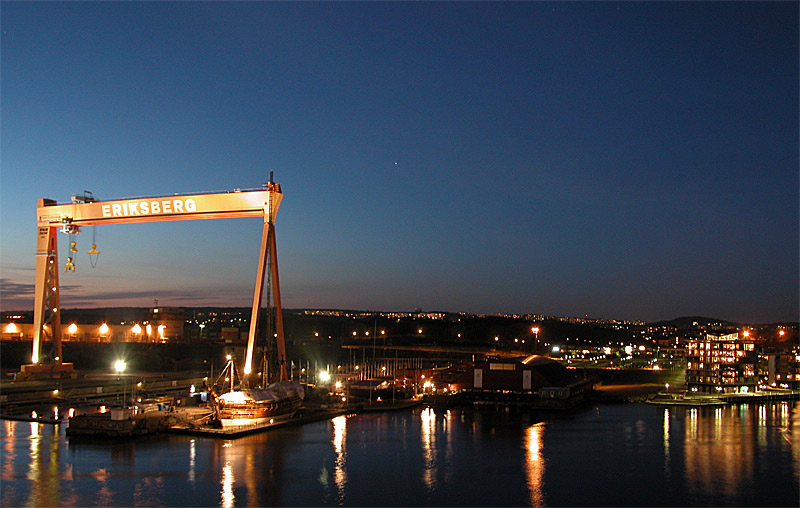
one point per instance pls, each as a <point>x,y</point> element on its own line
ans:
<point>694,321</point>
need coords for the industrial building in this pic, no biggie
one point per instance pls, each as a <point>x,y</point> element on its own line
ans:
<point>538,380</point>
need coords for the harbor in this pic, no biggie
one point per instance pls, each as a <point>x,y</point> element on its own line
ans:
<point>93,407</point>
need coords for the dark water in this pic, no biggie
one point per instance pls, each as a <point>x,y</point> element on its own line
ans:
<point>607,455</point>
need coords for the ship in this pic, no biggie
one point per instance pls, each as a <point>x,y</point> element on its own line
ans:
<point>267,404</point>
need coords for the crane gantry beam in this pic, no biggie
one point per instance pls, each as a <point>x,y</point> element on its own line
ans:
<point>70,217</point>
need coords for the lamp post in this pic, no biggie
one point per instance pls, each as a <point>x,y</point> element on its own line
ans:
<point>119,366</point>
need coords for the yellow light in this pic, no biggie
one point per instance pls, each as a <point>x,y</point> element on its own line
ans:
<point>11,328</point>
<point>148,329</point>
<point>338,384</point>
<point>104,329</point>
<point>119,366</point>
<point>535,329</point>
<point>136,328</point>
<point>324,376</point>
<point>72,329</point>
<point>161,330</point>
<point>782,333</point>
<point>227,357</point>
<point>746,333</point>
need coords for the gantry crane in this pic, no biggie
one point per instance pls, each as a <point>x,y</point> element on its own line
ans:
<point>89,211</point>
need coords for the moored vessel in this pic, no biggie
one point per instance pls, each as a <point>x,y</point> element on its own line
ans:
<point>243,405</point>
<point>278,401</point>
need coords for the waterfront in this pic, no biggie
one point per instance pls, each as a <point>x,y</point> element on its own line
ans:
<point>601,455</point>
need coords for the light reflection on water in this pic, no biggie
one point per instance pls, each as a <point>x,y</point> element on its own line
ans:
<point>339,473</point>
<point>534,438</point>
<point>427,419</point>
<point>625,454</point>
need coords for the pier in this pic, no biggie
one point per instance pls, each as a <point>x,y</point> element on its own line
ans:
<point>20,399</point>
<point>723,399</point>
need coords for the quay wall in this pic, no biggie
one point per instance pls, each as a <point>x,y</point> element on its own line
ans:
<point>152,357</point>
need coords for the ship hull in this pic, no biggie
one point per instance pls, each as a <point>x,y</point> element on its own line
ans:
<point>277,403</point>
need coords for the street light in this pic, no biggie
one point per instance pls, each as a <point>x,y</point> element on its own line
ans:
<point>119,366</point>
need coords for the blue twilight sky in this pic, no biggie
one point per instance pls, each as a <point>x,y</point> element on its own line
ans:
<point>611,159</point>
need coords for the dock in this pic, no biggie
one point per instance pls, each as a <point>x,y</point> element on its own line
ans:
<point>308,415</point>
<point>246,430</point>
<point>123,423</point>
<point>722,399</point>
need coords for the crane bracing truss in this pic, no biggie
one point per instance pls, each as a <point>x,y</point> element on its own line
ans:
<point>71,217</point>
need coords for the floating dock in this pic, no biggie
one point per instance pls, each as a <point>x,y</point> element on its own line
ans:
<point>245,430</point>
<point>311,415</point>
<point>723,399</point>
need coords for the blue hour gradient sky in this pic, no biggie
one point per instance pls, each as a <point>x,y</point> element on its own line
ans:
<point>611,159</point>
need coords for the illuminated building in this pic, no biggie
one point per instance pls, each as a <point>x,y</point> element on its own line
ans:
<point>782,368</point>
<point>167,324</point>
<point>721,364</point>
